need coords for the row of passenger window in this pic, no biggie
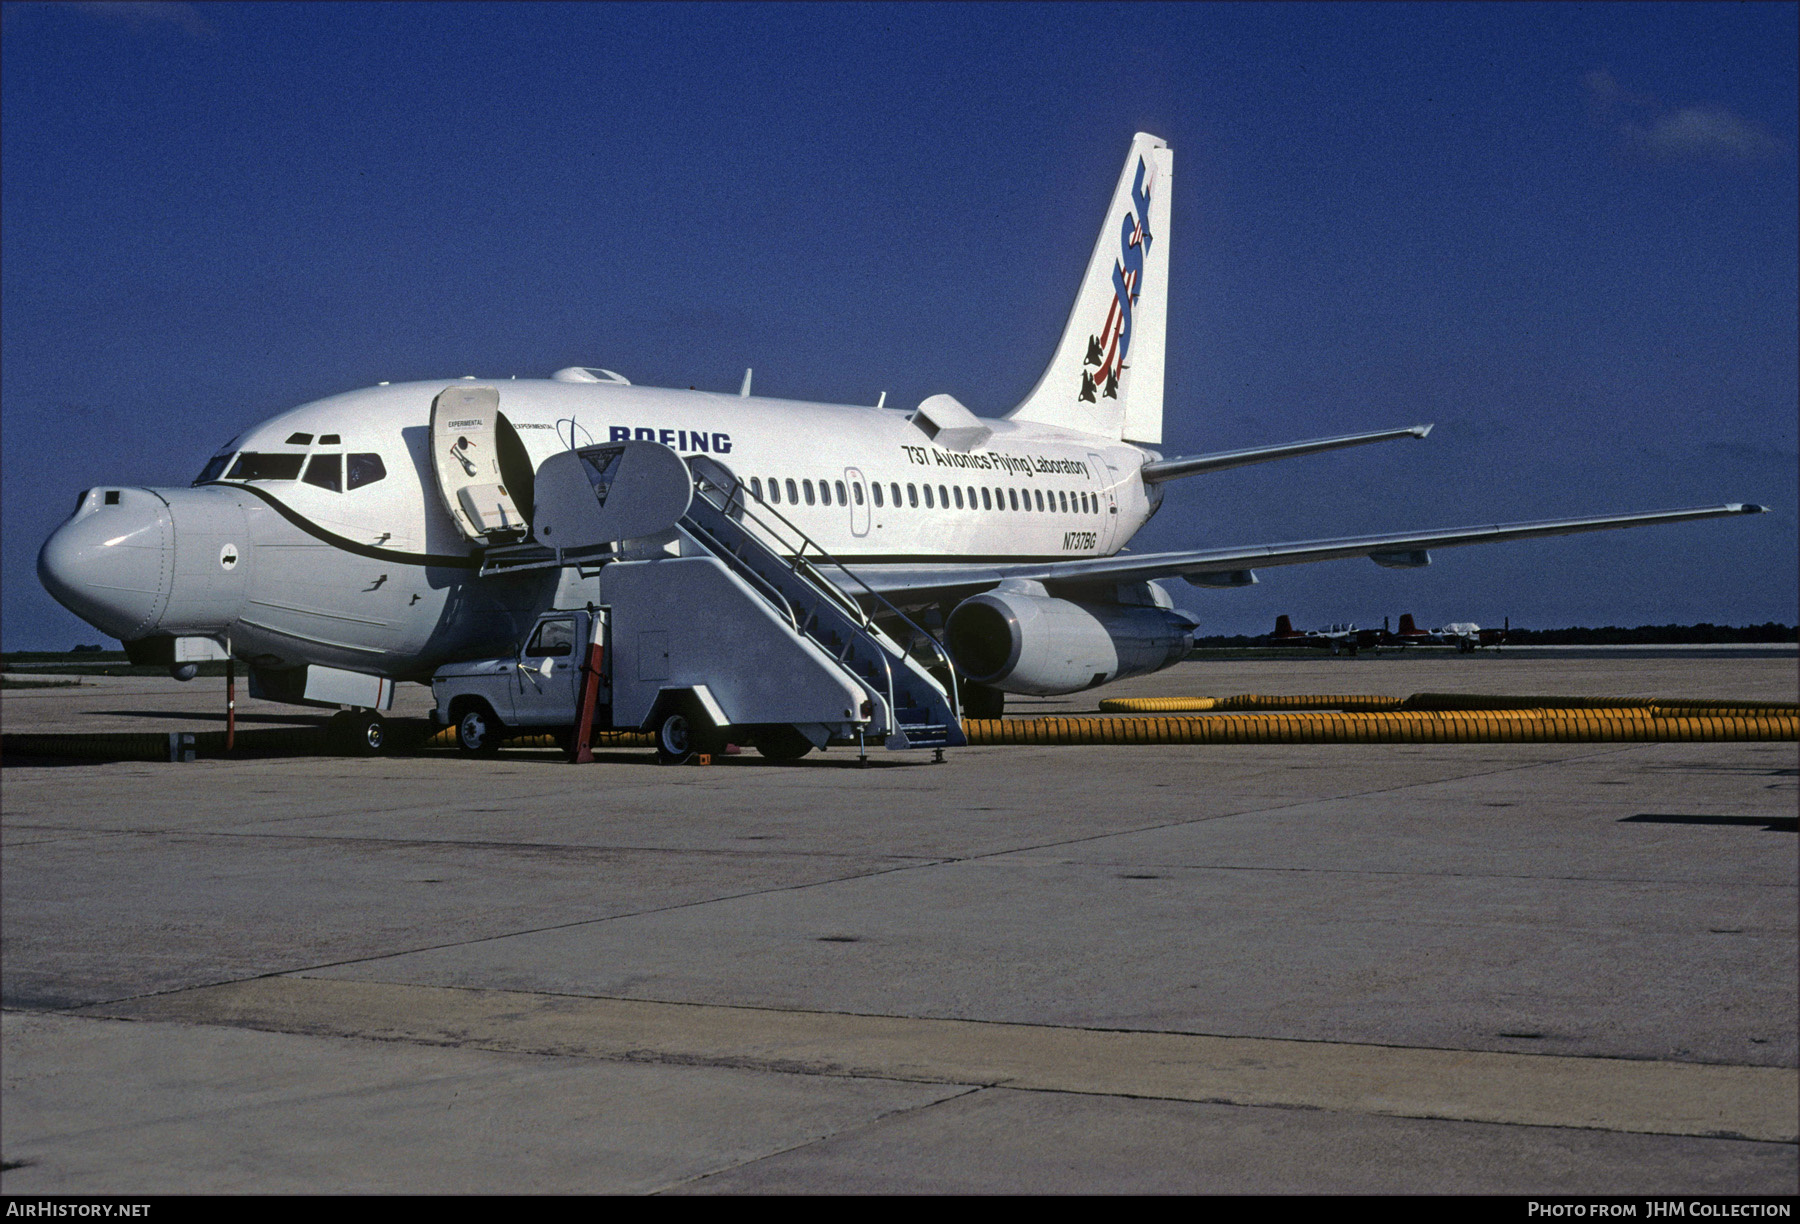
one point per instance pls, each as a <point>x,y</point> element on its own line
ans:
<point>1052,501</point>
<point>334,472</point>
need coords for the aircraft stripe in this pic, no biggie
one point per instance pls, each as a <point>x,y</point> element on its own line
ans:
<point>311,528</point>
<point>441,559</point>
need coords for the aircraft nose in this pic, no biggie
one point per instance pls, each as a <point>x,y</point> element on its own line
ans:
<point>112,563</point>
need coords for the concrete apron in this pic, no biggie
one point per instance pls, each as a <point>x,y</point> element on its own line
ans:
<point>1628,1095</point>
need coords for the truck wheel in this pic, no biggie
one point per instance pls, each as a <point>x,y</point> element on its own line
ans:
<point>780,742</point>
<point>675,739</point>
<point>478,732</point>
<point>358,732</point>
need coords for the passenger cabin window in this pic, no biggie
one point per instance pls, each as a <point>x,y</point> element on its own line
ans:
<point>806,486</point>
<point>958,491</point>
<point>258,465</point>
<point>553,640</point>
<point>793,493</point>
<point>213,468</point>
<point>1064,498</point>
<point>360,470</point>
<point>1037,495</point>
<point>756,488</point>
<point>986,503</point>
<point>774,490</point>
<point>895,486</point>
<point>1012,495</point>
<point>875,491</point>
<point>928,504</point>
<point>842,500</point>
<point>912,496</point>
<point>326,471</point>
<point>856,488</point>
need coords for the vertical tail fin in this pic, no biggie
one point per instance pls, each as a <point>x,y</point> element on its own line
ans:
<point>1284,627</point>
<point>1406,623</point>
<point>1107,375</point>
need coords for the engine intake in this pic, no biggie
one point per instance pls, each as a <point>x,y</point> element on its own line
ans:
<point>1042,645</point>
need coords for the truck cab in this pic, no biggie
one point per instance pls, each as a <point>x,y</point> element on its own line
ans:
<point>538,687</point>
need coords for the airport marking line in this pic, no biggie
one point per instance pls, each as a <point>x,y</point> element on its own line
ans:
<point>1642,1096</point>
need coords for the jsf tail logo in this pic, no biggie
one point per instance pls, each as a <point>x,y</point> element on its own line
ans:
<point>1106,351</point>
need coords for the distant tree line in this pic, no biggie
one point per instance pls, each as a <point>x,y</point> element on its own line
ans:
<point>1704,633</point>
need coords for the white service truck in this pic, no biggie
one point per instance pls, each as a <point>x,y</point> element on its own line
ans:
<point>538,690</point>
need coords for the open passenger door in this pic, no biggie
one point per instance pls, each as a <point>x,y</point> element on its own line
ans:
<point>465,451</point>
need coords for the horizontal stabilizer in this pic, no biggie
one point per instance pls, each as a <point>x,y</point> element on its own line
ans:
<point>1194,465</point>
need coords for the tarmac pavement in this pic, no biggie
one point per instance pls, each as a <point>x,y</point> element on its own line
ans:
<point>1224,968</point>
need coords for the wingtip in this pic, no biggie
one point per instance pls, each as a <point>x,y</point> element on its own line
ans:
<point>1421,431</point>
<point>1749,508</point>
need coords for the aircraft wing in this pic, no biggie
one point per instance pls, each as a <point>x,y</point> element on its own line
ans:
<point>1404,550</point>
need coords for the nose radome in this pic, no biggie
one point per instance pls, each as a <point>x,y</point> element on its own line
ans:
<point>112,563</point>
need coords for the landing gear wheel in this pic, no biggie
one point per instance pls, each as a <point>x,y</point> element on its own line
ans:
<point>358,732</point>
<point>980,701</point>
<point>781,742</point>
<point>675,740</point>
<point>478,732</point>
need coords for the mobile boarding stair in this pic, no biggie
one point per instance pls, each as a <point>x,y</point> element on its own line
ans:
<point>732,603</point>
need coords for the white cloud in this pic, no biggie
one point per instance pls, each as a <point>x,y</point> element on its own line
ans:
<point>1648,131</point>
<point>1702,133</point>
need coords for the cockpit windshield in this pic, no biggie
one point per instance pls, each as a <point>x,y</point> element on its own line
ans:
<point>260,465</point>
<point>214,467</point>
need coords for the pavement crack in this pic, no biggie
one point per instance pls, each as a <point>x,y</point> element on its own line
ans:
<point>864,1125</point>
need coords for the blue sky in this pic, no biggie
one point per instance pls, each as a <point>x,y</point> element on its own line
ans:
<point>1565,233</point>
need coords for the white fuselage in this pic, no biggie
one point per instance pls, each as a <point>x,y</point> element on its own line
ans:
<point>765,440</point>
<point>371,573</point>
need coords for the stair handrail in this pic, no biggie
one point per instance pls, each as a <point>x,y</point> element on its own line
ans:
<point>767,589</point>
<point>710,470</point>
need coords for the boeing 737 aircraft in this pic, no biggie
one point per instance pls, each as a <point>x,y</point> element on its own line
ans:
<point>346,540</point>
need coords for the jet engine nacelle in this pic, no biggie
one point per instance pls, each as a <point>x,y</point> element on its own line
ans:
<point>1035,643</point>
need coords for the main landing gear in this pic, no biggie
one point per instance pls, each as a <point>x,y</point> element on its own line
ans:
<point>357,733</point>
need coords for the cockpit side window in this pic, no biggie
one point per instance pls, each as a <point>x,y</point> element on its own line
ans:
<point>213,469</point>
<point>362,470</point>
<point>260,465</point>
<point>553,640</point>
<point>326,471</point>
